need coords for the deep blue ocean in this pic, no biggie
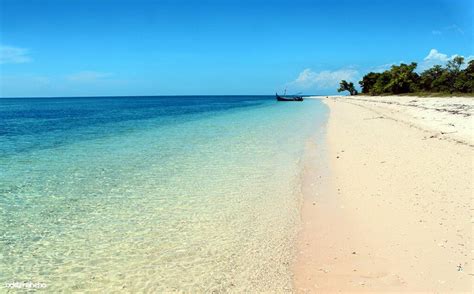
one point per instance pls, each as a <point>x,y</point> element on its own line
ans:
<point>36,123</point>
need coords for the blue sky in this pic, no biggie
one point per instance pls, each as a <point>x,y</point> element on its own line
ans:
<point>102,47</point>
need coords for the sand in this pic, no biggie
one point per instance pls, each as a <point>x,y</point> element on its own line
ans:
<point>389,205</point>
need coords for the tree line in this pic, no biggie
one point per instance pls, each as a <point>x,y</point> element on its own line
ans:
<point>402,79</point>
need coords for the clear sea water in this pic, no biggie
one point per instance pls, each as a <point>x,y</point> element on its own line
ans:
<point>193,194</point>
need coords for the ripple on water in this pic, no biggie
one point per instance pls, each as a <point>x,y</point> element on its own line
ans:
<point>208,204</point>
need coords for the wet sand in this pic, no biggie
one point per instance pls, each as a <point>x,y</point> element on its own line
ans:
<point>389,207</point>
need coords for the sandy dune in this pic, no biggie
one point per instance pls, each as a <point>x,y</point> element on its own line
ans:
<point>390,206</point>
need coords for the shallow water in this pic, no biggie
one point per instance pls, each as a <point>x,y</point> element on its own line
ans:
<point>152,193</point>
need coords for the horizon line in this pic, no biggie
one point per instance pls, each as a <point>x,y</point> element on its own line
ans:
<point>125,96</point>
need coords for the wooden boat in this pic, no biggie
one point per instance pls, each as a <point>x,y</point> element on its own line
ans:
<point>293,98</point>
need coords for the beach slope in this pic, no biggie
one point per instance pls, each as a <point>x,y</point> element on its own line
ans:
<point>390,209</point>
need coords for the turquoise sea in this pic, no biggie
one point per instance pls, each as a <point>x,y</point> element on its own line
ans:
<point>192,193</point>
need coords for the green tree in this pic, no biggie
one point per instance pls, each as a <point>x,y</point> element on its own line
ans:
<point>429,76</point>
<point>454,69</point>
<point>454,65</point>
<point>403,79</point>
<point>469,77</point>
<point>345,86</point>
<point>442,83</point>
<point>368,82</point>
<point>460,83</point>
<point>470,67</point>
<point>381,85</point>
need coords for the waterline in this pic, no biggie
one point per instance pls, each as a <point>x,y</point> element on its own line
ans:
<point>196,204</point>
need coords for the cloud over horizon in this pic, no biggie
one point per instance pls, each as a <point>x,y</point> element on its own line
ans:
<point>327,79</point>
<point>323,79</point>
<point>10,54</point>
<point>435,57</point>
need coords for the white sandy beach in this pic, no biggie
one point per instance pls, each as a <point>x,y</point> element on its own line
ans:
<point>393,211</point>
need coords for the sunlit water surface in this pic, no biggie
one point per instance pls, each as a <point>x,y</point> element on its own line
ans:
<point>152,193</point>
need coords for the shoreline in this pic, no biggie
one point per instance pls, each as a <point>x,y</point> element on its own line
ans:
<point>388,209</point>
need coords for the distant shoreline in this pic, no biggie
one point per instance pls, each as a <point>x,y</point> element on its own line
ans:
<point>151,96</point>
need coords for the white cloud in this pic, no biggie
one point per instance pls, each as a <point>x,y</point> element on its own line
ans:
<point>87,76</point>
<point>10,54</point>
<point>448,30</point>
<point>454,28</point>
<point>437,58</point>
<point>384,67</point>
<point>324,79</point>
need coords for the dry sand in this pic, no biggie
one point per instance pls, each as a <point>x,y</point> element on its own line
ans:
<point>389,207</point>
